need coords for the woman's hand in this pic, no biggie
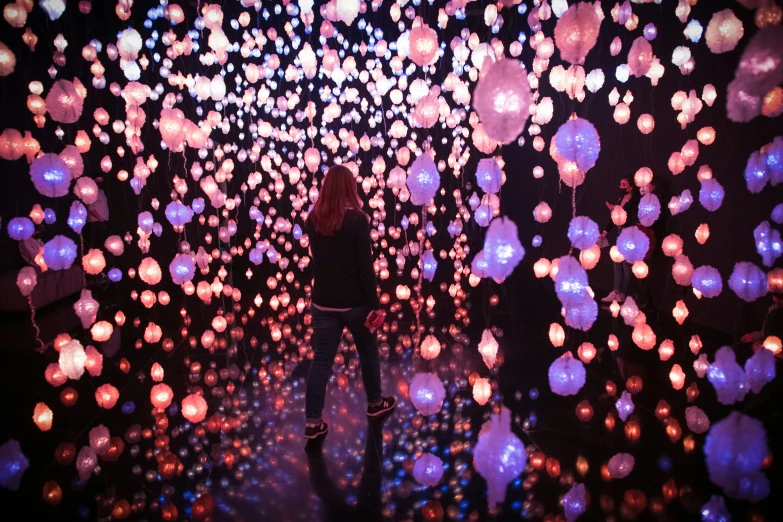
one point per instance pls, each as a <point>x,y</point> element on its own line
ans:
<point>609,205</point>
<point>374,320</point>
<point>751,337</point>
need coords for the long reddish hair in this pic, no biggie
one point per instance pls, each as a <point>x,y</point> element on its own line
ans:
<point>338,193</point>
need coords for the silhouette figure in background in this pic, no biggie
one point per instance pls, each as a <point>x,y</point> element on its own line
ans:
<point>344,295</point>
<point>629,201</point>
<point>368,506</point>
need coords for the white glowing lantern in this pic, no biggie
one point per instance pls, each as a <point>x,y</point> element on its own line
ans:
<point>645,123</point>
<point>677,377</point>
<point>149,271</point>
<point>556,335</point>
<point>672,245</point>
<point>586,352</point>
<point>541,267</point>
<point>724,31</point>
<point>488,348</point>
<point>680,312</point>
<point>542,213</point>
<point>101,331</point>
<point>347,10</point>
<point>643,336</point>
<point>194,408</point>
<point>482,391</point>
<point>702,233</point>
<point>589,258</point>
<point>622,113</point>
<point>72,359</point>
<point>430,347</point>
<point>666,349</point>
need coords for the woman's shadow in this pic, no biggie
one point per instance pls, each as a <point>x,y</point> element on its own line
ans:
<point>368,506</point>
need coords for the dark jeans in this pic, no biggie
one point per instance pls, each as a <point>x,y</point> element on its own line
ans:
<point>327,332</point>
<point>622,276</point>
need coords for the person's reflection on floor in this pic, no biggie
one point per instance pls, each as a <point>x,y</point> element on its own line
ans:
<point>368,506</point>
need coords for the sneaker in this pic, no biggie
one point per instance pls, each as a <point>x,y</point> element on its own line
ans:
<point>314,432</point>
<point>386,405</point>
<point>614,295</point>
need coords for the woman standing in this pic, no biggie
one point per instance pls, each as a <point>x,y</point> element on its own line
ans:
<point>628,201</point>
<point>344,295</point>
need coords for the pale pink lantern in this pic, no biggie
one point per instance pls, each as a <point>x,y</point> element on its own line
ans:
<point>107,396</point>
<point>194,408</point>
<point>430,347</point>
<point>502,99</point>
<point>161,396</point>
<point>423,45</point>
<point>43,416</point>
<point>482,391</point>
<point>64,103</point>
<point>576,33</point>
<point>172,128</point>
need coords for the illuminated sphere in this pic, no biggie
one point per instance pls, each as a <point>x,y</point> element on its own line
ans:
<point>488,175</point>
<point>427,111</point>
<point>73,158</point>
<point>711,194</point>
<point>178,214</point>
<point>760,369</point>
<point>347,10</point>
<point>72,359</point>
<point>759,69</point>
<point>543,212</point>
<point>582,315</point>
<point>149,271</point>
<point>59,253</point>
<point>640,58</point>
<point>194,408</point>
<point>734,449</point>
<point>172,128</point>
<point>161,396</point>
<point>621,465</point>
<point>7,60</point>
<point>427,393</point>
<point>645,123</point>
<point>107,396</point>
<point>570,281</point>
<point>649,209</point>
<point>64,103</point>
<point>723,32</point>
<point>576,32</point>
<point>583,232</point>
<point>502,249</point>
<point>499,456</point>
<point>566,375</point>
<point>428,470</point>
<point>577,141</point>
<point>707,280</point>
<point>50,175</point>
<point>482,391</point>
<point>20,228</point>
<point>423,180</point>
<point>727,377</point>
<point>768,243</point>
<point>575,502</point>
<point>748,281</point>
<point>423,41</point>
<point>182,268</point>
<point>502,99</point>
<point>93,261</point>
<point>13,463</point>
<point>633,244</point>
<point>11,141</point>
<point>430,347</point>
<point>643,336</point>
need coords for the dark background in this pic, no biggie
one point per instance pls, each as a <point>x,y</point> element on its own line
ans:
<point>527,306</point>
